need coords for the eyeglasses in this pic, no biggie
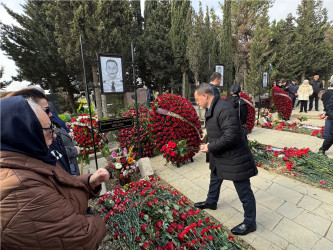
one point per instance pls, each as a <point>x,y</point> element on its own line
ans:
<point>47,110</point>
<point>51,128</point>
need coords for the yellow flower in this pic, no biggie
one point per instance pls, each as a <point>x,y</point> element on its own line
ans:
<point>130,160</point>
<point>130,151</point>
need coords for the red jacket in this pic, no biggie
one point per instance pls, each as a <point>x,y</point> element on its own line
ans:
<point>43,207</point>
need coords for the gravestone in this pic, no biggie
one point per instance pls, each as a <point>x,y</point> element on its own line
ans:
<point>53,98</point>
<point>144,166</point>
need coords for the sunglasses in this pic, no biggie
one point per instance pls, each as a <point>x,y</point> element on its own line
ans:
<point>51,129</point>
<point>47,110</point>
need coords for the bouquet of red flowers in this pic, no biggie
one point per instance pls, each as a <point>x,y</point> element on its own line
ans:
<point>282,103</point>
<point>175,151</point>
<point>81,127</point>
<point>173,118</point>
<point>129,136</point>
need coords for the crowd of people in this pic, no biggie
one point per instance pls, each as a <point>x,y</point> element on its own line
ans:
<point>44,198</point>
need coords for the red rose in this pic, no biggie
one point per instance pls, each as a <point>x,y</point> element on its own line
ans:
<point>158,224</point>
<point>143,228</point>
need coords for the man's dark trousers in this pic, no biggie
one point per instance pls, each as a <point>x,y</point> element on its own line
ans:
<point>328,142</point>
<point>244,192</point>
<point>316,98</point>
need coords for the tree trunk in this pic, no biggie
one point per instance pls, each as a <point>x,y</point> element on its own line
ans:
<point>244,72</point>
<point>51,87</point>
<point>97,94</point>
<point>303,77</point>
<point>104,106</point>
<point>70,98</point>
<point>184,85</point>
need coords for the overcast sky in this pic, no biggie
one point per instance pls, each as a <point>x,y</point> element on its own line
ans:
<point>280,10</point>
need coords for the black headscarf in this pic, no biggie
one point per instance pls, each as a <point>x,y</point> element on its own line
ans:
<point>235,89</point>
<point>21,130</point>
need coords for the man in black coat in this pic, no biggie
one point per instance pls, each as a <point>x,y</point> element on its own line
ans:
<point>329,116</point>
<point>292,91</point>
<point>317,85</point>
<point>229,156</point>
<point>325,96</point>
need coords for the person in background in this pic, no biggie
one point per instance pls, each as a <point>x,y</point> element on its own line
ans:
<point>279,84</point>
<point>55,118</point>
<point>215,80</point>
<point>304,92</point>
<point>329,138</point>
<point>284,85</point>
<point>317,85</point>
<point>42,206</point>
<point>292,90</point>
<point>57,151</point>
<point>230,157</point>
<point>325,96</point>
<point>239,105</point>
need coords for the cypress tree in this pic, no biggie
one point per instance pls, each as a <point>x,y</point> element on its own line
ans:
<point>258,52</point>
<point>178,37</point>
<point>310,35</point>
<point>226,44</point>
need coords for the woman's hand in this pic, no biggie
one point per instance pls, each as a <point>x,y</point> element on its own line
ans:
<point>101,175</point>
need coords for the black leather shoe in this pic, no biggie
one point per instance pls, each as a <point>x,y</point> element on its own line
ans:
<point>243,229</point>
<point>204,205</point>
<point>320,137</point>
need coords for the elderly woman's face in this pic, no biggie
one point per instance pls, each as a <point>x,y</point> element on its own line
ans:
<point>48,129</point>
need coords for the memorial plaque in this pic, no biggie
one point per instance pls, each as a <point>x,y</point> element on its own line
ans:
<point>115,124</point>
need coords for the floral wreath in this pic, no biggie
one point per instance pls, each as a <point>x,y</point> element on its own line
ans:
<point>173,119</point>
<point>282,103</point>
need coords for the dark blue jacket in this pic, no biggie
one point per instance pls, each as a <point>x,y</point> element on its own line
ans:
<point>216,91</point>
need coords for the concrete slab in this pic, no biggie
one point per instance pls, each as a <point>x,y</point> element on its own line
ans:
<point>267,218</point>
<point>313,222</point>
<point>296,234</point>
<point>329,235</point>
<point>309,203</point>
<point>323,244</point>
<point>267,200</point>
<point>285,193</point>
<point>289,210</point>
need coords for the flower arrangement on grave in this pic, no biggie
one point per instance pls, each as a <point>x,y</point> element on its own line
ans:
<point>251,116</point>
<point>147,215</point>
<point>265,114</point>
<point>174,151</point>
<point>282,103</point>
<point>122,164</point>
<point>173,118</point>
<point>81,127</point>
<point>301,163</point>
<point>128,136</point>
<point>294,127</point>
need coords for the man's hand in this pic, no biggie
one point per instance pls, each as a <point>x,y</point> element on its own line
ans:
<point>322,116</point>
<point>77,149</point>
<point>101,175</point>
<point>71,134</point>
<point>204,148</point>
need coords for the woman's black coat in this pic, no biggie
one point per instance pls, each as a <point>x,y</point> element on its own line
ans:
<point>229,154</point>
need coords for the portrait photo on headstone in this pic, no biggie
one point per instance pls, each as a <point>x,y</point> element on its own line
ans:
<point>111,73</point>
<point>220,69</point>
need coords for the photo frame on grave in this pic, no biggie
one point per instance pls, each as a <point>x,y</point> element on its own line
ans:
<point>111,73</point>
<point>264,79</point>
<point>220,69</point>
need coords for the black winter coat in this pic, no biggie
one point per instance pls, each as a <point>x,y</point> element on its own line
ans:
<point>229,154</point>
<point>329,108</point>
<point>242,112</point>
<point>317,86</point>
